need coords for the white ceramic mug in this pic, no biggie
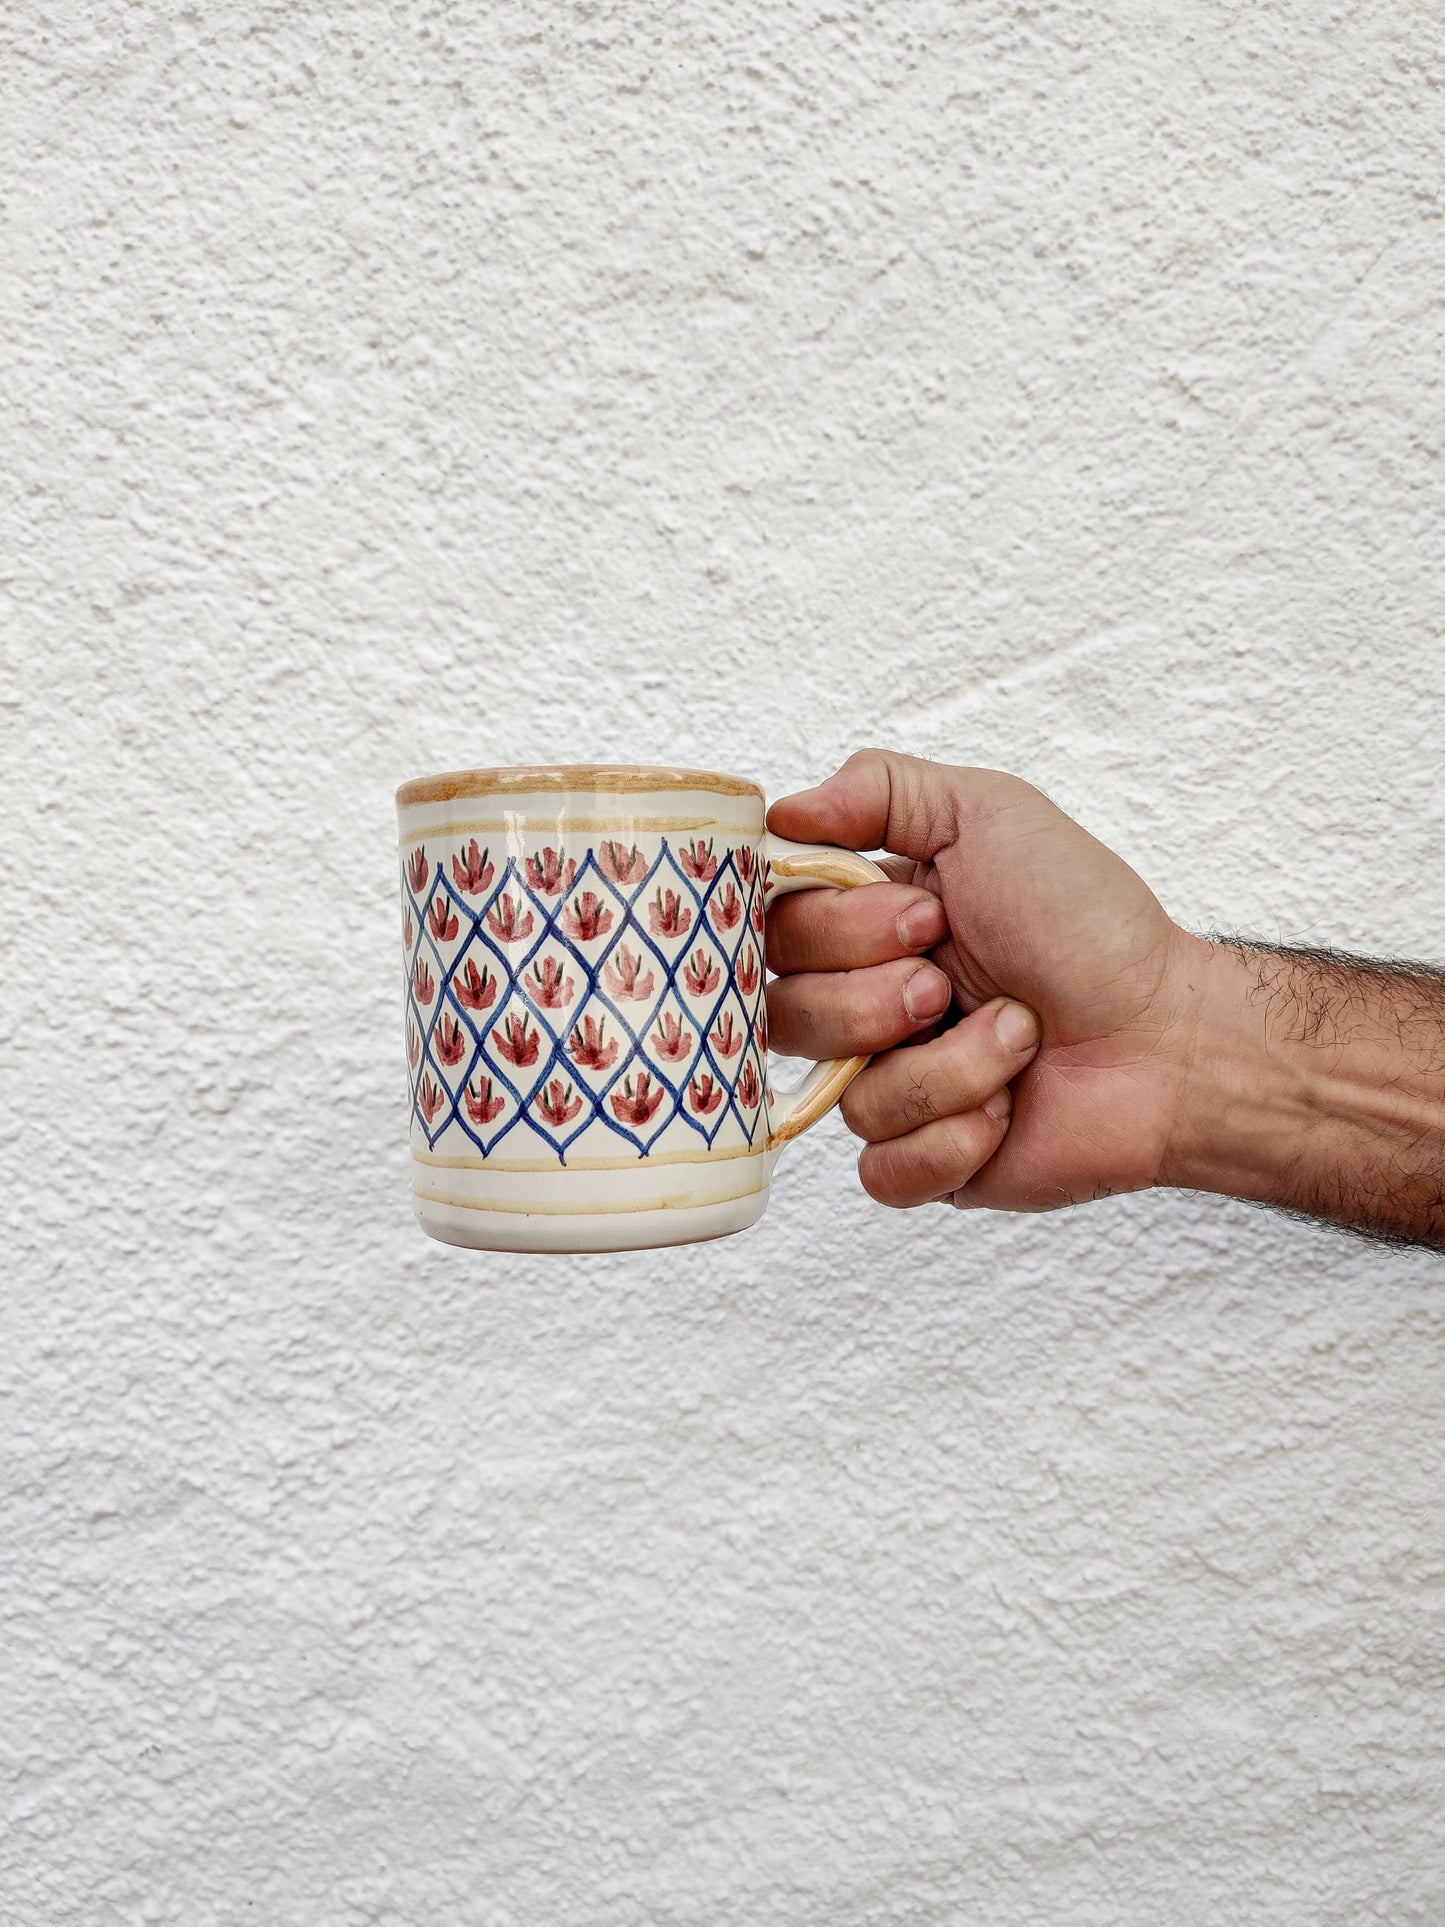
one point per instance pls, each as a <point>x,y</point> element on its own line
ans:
<point>585,1017</point>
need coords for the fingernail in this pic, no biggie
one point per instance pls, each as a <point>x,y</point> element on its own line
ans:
<point>999,1105</point>
<point>1016,1027</point>
<point>926,994</point>
<point>921,925</point>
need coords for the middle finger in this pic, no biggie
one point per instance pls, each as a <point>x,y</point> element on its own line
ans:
<point>852,1013</point>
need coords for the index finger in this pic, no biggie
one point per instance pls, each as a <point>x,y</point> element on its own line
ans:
<point>846,929</point>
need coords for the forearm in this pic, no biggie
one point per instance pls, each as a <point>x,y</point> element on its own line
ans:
<point>1316,1083</point>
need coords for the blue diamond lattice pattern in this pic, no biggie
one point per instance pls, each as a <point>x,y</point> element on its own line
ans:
<point>509,963</point>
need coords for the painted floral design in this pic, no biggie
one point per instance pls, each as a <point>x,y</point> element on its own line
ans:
<point>698,861</point>
<point>545,872</point>
<point>725,1040</point>
<point>670,1040</point>
<point>450,1039</point>
<point>619,865</point>
<point>508,921</point>
<point>475,991</point>
<point>547,984</point>
<point>471,869</point>
<point>589,1047</point>
<point>726,907</point>
<point>516,1043</point>
<point>702,974</point>
<point>666,915</point>
<point>637,1106</point>
<point>623,981</point>
<point>442,919</point>
<point>557,1106</point>
<point>704,1095</point>
<point>481,1105</point>
<point>586,917</point>
<point>670,1044</point>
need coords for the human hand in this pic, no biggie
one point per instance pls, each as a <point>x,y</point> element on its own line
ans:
<point>1005,904</point>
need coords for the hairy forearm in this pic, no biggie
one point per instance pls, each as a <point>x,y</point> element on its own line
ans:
<point>1315,1081</point>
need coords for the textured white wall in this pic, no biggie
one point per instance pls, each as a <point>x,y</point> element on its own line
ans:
<point>392,387</point>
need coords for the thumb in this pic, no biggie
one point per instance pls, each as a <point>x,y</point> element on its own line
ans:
<point>881,800</point>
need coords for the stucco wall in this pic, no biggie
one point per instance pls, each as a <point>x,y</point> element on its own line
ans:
<point>393,387</point>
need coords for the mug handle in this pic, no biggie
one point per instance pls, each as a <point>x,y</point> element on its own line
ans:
<point>807,866</point>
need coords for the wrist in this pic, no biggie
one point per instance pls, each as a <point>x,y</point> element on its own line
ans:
<point>1241,1104</point>
<point>1311,1082</point>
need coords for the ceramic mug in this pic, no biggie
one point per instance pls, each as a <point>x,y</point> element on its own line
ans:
<point>586,1029</point>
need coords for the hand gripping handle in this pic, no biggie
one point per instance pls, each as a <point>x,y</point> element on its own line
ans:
<point>808,866</point>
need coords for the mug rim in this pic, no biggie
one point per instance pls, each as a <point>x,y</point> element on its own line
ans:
<point>602,778</point>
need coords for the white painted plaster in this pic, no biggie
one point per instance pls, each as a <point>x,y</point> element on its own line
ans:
<point>392,387</point>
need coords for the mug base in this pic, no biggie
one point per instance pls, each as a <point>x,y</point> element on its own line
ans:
<point>644,1230</point>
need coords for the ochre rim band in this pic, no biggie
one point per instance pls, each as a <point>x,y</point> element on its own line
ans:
<point>605,779</point>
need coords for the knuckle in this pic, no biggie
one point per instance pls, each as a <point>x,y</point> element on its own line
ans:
<point>790,1017</point>
<point>919,1101</point>
<point>861,1005</point>
<point>972,1138</point>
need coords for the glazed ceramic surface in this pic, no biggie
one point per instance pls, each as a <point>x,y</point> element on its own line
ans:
<point>586,1030</point>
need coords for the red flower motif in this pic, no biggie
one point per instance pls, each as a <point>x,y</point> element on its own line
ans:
<point>727,907</point>
<point>431,1097</point>
<point>746,863</point>
<point>545,872</point>
<point>701,974</point>
<point>475,992</point>
<point>757,916</point>
<point>504,922</point>
<point>588,917</point>
<point>636,1107</point>
<point>699,864</point>
<point>760,1027</point>
<point>422,987</point>
<point>482,1107</point>
<point>587,1047</point>
<point>666,917</point>
<point>549,986</point>
<point>451,1039</point>
<point>558,1106</point>
<point>622,866</point>
<point>624,982</point>
<point>748,1088</point>
<point>417,868</point>
<point>472,870</point>
<point>748,972</point>
<point>724,1040</point>
<point>703,1094</point>
<point>413,1044</point>
<point>672,1041</point>
<point>442,919</point>
<point>518,1045</point>
<point>408,931</point>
